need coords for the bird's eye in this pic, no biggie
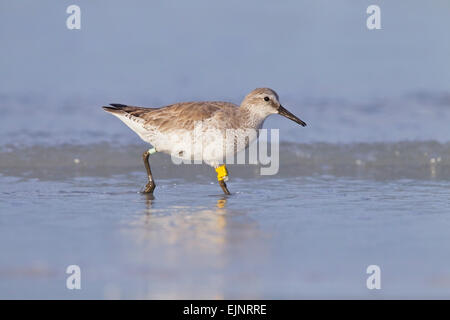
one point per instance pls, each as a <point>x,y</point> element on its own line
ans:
<point>266,98</point>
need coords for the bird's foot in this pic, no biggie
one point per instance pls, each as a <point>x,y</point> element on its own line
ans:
<point>149,187</point>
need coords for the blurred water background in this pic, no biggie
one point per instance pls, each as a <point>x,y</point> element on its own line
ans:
<point>367,181</point>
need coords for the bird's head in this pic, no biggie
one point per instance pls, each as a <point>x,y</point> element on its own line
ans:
<point>264,101</point>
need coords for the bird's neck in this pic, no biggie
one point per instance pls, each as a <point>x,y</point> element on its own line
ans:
<point>250,119</point>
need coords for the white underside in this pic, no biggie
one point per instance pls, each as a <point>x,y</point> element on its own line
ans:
<point>204,143</point>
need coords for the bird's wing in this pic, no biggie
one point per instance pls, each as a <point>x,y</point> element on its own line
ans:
<point>174,117</point>
<point>184,115</point>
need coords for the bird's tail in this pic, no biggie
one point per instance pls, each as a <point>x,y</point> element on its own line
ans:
<point>129,115</point>
<point>117,108</point>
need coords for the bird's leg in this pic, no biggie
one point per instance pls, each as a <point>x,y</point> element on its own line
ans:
<point>222,176</point>
<point>150,184</point>
<point>223,185</point>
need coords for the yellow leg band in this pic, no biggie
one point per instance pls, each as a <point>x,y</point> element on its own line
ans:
<point>222,173</point>
<point>152,151</point>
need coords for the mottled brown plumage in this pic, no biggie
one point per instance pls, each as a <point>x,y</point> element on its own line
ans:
<point>180,115</point>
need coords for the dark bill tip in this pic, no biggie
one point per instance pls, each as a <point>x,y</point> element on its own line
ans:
<point>282,111</point>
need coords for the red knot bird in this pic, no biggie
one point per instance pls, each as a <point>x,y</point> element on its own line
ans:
<point>170,129</point>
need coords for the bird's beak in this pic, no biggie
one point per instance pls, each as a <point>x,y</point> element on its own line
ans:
<point>282,111</point>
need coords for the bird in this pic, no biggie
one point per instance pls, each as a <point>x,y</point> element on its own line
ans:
<point>171,129</point>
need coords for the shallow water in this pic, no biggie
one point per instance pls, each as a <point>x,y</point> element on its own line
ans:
<point>300,237</point>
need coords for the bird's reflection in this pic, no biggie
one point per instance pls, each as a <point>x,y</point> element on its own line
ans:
<point>196,225</point>
<point>149,198</point>
<point>221,202</point>
<point>221,211</point>
<point>174,239</point>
